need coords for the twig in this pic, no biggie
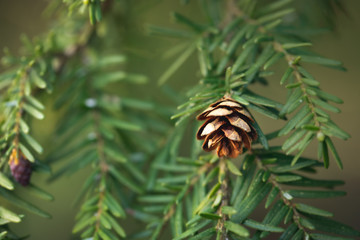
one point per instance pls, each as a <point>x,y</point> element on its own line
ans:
<point>223,171</point>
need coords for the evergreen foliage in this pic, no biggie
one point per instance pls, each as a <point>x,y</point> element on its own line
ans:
<point>132,152</point>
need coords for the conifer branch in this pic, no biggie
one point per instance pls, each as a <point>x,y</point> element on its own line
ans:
<point>86,35</point>
<point>18,113</point>
<point>248,46</point>
<point>33,73</point>
<point>311,122</point>
<point>292,61</point>
<point>185,191</point>
<point>103,166</point>
<point>198,196</point>
<point>287,201</point>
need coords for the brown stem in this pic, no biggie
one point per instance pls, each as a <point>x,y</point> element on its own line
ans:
<point>20,110</point>
<point>21,81</point>
<point>223,173</point>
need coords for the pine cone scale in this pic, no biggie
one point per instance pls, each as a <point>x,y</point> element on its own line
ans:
<point>209,126</point>
<point>228,148</point>
<point>229,104</point>
<point>227,128</point>
<point>224,149</point>
<point>246,140</point>
<point>218,112</point>
<point>236,121</point>
<point>245,113</point>
<point>231,134</point>
<point>212,141</point>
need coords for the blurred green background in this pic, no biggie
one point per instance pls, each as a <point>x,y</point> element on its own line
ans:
<point>145,56</point>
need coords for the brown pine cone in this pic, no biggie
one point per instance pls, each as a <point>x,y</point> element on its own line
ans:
<point>227,128</point>
<point>20,167</point>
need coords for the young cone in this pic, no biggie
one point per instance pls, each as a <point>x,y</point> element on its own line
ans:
<point>20,167</point>
<point>227,128</point>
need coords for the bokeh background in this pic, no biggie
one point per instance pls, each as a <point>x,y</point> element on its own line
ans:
<point>145,56</point>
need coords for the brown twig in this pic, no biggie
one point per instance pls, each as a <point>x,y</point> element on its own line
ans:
<point>225,198</point>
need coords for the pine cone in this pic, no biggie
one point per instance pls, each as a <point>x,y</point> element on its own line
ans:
<point>20,167</point>
<point>227,128</point>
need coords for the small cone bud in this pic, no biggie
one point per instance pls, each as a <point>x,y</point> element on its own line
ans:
<point>227,128</point>
<point>320,136</point>
<point>20,167</point>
